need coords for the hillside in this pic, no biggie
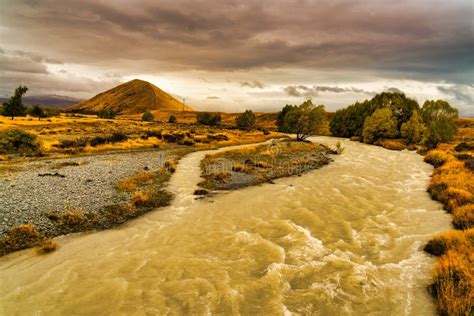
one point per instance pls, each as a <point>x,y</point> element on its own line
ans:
<point>47,100</point>
<point>133,97</point>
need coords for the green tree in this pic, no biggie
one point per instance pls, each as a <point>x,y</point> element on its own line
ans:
<point>379,125</point>
<point>438,110</point>
<point>246,120</point>
<point>413,130</point>
<point>148,116</point>
<point>210,119</point>
<point>14,106</point>
<point>37,111</point>
<point>440,131</point>
<point>281,123</point>
<point>305,120</point>
<point>107,114</point>
<point>172,119</point>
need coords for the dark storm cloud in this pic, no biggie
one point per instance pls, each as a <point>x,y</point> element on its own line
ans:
<point>314,91</point>
<point>252,84</point>
<point>419,39</point>
<point>460,93</point>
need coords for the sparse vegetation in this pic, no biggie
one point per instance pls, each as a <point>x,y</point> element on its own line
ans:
<point>107,114</point>
<point>172,119</point>
<point>20,237</point>
<point>210,119</point>
<point>47,246</point>
<point>17,141</point>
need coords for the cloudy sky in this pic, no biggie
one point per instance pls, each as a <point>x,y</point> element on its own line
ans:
<point>234,55</point>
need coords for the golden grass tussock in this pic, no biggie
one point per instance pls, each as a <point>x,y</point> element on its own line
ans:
<point>20,237</point>
<point>133,182</point>
<point>463,216</point>
<point>393,144</point>
<point>47,246</point>
<point>170,165</point>
<point>437,157</point>
<point>453,284</point>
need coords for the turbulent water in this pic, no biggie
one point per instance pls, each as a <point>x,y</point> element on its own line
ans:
<point>344,239</point>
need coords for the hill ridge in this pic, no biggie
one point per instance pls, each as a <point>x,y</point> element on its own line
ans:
<point>132,97</point>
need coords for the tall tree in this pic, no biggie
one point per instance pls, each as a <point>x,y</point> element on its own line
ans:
<point>246,120</point>
<point>437,110</point>
<point>305,120</point>
<point>38,112</point>
<point>14,106</point>
<point>379,125</point>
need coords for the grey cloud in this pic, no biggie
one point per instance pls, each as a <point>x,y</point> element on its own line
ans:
<point>252,84</point>
<point>213,98</point>
<point>18,64</point>
<point>400,38</point>
<point>395,90</point>
<point>309,92</point>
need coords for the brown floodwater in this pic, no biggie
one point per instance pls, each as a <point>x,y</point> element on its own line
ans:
<point>342,240</point>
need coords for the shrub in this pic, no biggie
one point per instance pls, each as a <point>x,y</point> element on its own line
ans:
<point>170,165</point>
<point>20,237</point>
<point>379,125</point>
<point>463,216</point>
<point>70,143</point>
<point>469,164</point>
<point>116,137</point>
<point>187,142</point>
<point>173,138</point>
<point>438,110</point>
<point>151,199</point>
<point>437,158</point>
<point>47,246</point>
<point>392,144</point>
<point>148,116</point>
<point>463,146</point>
<point>152,133</point>
<point>413,129</point>
<point>17,141</point>
<point>37,111</point>
<point>210,119</point>
<point>217,137</point>
<point>172,119</point>
<point>246,120</point>
<point>107,114</point>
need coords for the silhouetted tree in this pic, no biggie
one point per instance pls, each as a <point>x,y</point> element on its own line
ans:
<point>14,106</point>
<point>246,120</point>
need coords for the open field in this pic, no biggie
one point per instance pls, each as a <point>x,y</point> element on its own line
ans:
<point>83,134</point>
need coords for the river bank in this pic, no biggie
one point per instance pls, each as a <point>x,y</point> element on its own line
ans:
<point>345,238</point>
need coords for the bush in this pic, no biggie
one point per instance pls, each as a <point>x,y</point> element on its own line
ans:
<point>463,216</point>
<point>392,144</point>
<point>246,120</point>
<point>47,246</point>
<point>413,130</point>
<point>116,137</point>
<point>463,146</point>
<point>20,237</point>
<point>70,143</point>
<point>217,137</point>
<point>379,125</point>
<point>107,114</point>
<point>437,158</point>
<point>17,141</point>
<point>156,134</point>
<point>148,116</point>
<point>173,138</point>
<point>210,119</point>
<point>438,110</point>
<point>172,119</point>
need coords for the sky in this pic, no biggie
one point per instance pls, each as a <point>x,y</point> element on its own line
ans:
<point>236,55</point>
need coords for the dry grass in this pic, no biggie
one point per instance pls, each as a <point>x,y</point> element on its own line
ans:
<point>20,237</point>
<point>47,246</point>
<point>453,274</point>
<point>132,183</point>
<point>392,144</point>
<point>452,184</point>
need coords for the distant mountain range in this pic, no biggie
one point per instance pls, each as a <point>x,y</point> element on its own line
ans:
<point>133,97</point>
<point>47,100</point>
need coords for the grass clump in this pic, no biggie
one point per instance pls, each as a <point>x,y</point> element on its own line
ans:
<point>392,144</point>
<point>20,237</point>
<point>463,216</point>
<point>437,157</point>
<point>453,275</point>
<point>47,246</point>
<point>151,199</point>
<point>18,141</point>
